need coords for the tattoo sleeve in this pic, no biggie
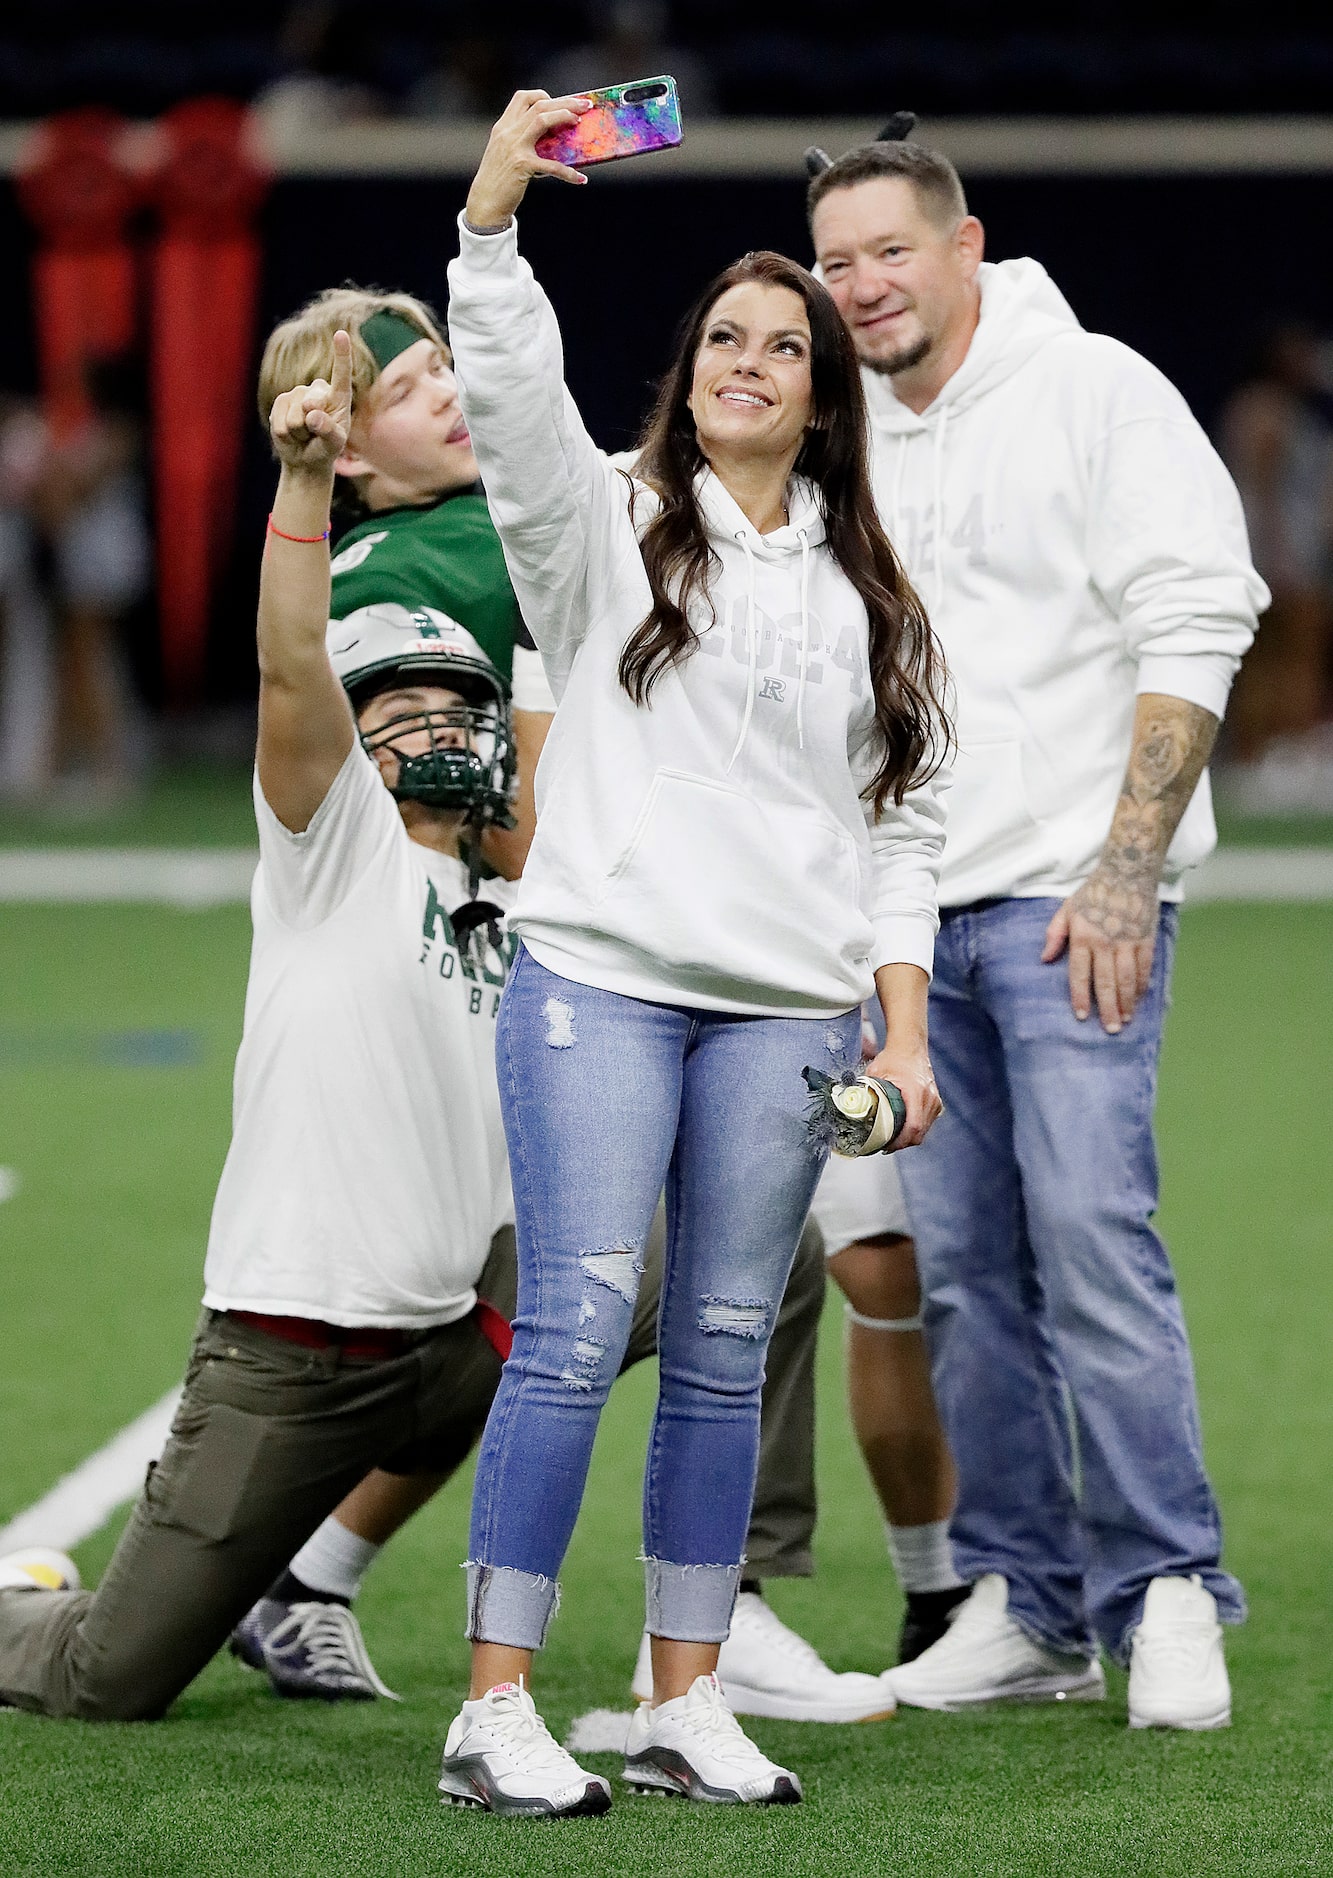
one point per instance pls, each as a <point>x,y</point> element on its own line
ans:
<point>1172,741</point>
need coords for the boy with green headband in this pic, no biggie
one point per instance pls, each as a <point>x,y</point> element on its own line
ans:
<point>415,528</point>
<point>420,535</point>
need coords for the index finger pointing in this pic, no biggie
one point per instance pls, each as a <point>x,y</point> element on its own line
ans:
<point>342,369</point>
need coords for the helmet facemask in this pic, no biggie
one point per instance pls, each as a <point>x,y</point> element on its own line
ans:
<point>457,756</point>
<point>468,763</point>
<point>466,767</point>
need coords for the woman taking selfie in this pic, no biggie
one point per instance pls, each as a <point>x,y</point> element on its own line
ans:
<point>739,836</point>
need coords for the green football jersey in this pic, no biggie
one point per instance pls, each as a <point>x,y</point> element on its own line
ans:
<point>447,556</point>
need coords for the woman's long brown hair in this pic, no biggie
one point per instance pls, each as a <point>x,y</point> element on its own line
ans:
<point>906,667</point>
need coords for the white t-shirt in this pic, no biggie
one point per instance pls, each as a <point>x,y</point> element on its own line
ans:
<point>367,1170</point>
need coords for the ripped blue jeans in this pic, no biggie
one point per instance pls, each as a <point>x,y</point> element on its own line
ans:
<point>606,1100</point>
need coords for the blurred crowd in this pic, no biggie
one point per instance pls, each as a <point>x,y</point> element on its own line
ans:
<point>75,562</point>
<point>1276,433</point>
<point>335,69</point>
<point>75,556</point>
<point>76,574</point>
<point>437,58</point>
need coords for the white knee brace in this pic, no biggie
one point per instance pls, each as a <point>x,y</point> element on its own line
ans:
<point>884,1323</point>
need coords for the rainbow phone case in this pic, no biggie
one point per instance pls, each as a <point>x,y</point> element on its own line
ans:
<point>625,120</point>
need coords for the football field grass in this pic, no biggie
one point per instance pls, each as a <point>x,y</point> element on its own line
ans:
<point>117,1027</point>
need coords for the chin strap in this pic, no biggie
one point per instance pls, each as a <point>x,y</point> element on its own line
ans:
<point>469,844</point>
<point>469,852</point>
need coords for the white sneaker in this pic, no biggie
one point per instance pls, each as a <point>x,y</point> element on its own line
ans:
<point>765,1668</point>
<point>1177,1672</point>
<point>498,1755</point>
<point>38,1568</point>
<point>984,1657</point>
<point>694,1746</point>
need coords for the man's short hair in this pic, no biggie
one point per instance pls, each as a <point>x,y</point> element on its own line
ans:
<point>301,348</point>
<point>930,173</point>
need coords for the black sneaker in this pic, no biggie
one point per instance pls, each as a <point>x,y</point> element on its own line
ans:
<point>926,1619</point>
<point>309,1649</point>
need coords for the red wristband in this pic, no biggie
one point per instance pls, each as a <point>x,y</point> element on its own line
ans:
<point>274,530</point>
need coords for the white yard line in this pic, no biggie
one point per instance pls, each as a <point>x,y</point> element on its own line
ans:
<point>85,1499</point>
<point>1286,874</point>
<point>9,1182</point>
<point>204,877</point>
<point>189,878</point>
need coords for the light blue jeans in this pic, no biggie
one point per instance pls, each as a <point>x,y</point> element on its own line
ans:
<point>1049,1298</point>
<point>606,1100</point>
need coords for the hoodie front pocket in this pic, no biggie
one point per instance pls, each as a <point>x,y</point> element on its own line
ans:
<point>635,841</point>
<point>988,797</point>
<point>716,884</point>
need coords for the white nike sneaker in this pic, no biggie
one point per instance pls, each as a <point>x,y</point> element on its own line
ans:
<point>765,1668</point>
<point>1177,1671</point>
<point>39,1568</point>
<point>984,1657</point>
<point>694,1747</point>
<point>499,1755</point>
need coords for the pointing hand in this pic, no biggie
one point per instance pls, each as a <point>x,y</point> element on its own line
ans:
<point>309,425</point>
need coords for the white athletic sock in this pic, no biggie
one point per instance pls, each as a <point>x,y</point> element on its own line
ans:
<point>922,1557</point>
<point>334,1560</point>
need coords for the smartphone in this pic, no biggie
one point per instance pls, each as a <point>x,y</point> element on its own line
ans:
<point>625,120</point>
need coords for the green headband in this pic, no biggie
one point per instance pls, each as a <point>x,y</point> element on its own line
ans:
<point>387,334</point>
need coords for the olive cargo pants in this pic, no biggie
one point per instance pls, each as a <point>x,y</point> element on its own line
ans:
<point>268,1439</point>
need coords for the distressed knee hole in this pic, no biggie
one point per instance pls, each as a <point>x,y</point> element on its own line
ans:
<point>833,1044</point>
<point>733,1317</point>
<point>559,1024</point>
<point>585,1365</point>
<point>618,1267</point>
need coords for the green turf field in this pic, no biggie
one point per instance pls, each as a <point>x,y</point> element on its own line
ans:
<point>116,1032</point>
<point>207,804</point>
<point>200,805</point>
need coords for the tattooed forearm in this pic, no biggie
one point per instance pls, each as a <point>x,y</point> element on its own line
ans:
<point>1172,741</point>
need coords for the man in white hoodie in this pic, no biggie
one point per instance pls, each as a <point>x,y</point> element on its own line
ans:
<point>1083,558</point>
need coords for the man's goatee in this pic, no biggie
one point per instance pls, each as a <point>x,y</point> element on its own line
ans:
<point>900,361</point>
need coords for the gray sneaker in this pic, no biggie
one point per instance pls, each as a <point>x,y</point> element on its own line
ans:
<point>313,1649</point>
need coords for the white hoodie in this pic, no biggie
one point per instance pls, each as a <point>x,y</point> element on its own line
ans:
<point>1093,547</point>
<point>710,848</point>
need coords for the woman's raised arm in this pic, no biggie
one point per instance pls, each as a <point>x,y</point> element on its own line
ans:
<point>559,506</point>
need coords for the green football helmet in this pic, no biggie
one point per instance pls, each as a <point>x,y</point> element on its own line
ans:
<point>468,762</point>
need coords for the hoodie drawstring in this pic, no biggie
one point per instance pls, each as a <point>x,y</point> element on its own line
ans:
<point>805,637</point>
<point>752,635</point>
<point>895,513</point>
<point>937,469</point>
<point>895,528</point>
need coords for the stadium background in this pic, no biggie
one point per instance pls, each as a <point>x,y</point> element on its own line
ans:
<point>119,1015</point>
